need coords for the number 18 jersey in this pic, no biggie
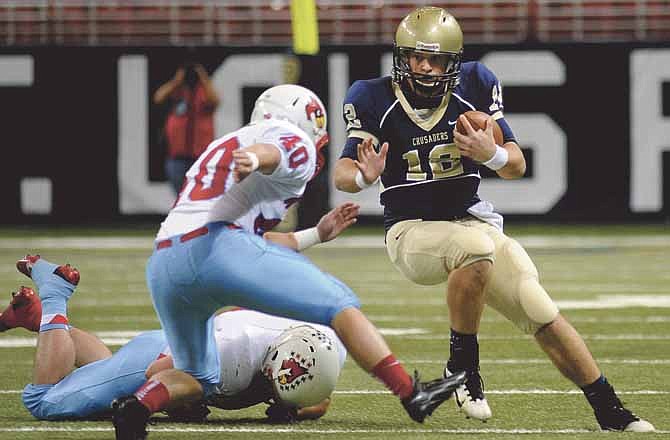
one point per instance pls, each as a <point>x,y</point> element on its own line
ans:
<point>425,175</point>
<point>256,203</point>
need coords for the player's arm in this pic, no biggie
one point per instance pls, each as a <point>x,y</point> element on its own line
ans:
<point>278,413</point>
<point>315,411</point>
<point>516,163</point>
<point>506,159</point>
<point>258,157</point>
<point>361,161</point>
<point>165,90</point>
<point>353,175</point>
<point>479,145</point>
<point>330,226</point>
<point>344,175</point>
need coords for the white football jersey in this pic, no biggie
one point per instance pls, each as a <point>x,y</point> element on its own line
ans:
<point>243,337</point>
<point>211,194</point>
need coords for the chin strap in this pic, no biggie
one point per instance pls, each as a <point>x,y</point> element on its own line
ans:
<point>417,101</point>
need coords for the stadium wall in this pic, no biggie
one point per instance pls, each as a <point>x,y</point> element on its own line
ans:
<point>81,139</point>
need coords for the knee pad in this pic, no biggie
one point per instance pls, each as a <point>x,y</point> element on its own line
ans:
<point>521,298</point>
<point>473,245</point>
<point>537,305</point>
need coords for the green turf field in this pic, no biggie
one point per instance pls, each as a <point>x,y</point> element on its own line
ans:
<point>612,283</point>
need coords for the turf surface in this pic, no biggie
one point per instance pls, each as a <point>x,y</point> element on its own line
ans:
<point>527,395</point>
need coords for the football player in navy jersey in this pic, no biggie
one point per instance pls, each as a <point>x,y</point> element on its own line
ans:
<point>401,130</point>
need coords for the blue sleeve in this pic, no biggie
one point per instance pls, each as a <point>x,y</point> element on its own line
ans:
<point>490,99</point>
<point>351,148</point>
<point>360,115</point>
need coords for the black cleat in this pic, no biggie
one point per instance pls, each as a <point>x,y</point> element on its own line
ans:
<point>615,417</point>
<point>130,418</point>
<point>427,396</point>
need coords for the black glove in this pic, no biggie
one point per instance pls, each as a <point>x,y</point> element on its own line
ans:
<point>278,413</point>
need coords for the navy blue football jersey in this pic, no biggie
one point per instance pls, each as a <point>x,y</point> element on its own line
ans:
<point>425,176</point>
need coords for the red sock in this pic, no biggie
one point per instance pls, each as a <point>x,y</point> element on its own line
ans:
<point>154,395</point>
<point>393,375</point>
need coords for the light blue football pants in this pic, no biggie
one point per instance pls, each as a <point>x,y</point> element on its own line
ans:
<point>89,390</point>
<point>190,280</point>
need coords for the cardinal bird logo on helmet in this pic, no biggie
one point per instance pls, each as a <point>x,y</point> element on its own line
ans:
<point>290,371</point>
<point>313,108</point>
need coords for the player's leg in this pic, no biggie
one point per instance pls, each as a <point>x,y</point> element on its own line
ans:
<point>189,281</point>
<point>186,318</point>
<point>431,253</point>
<point>55,355</point>
<point>25,310</point>
<point>88,391</point>
<point>88,347</point>
<point>569,353</point>
<point>292,286</point>
<point>514,290</point>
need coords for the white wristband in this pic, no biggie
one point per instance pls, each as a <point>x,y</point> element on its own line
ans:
<point>360,181</point>
<point>254,160</point>
<point>498,160</point>
<point>307,238</point>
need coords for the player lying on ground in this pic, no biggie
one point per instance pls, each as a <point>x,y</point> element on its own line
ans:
<point>77,377</point>
<point>403,130</point>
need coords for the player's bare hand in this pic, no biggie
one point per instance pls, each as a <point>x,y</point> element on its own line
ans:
<point>370,162</point>
<point>243,165</point>
<point>478,145</point>
<point>337,220</point>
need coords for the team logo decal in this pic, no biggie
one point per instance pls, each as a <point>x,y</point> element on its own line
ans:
<point>293,372</point>
<point>313,108</point>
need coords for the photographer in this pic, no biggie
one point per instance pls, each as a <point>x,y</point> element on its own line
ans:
<point>189,127</point>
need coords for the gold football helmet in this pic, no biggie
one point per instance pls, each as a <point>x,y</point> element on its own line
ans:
<point>428,32</point>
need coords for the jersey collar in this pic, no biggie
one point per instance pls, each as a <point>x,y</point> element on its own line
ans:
<point>426,124</point>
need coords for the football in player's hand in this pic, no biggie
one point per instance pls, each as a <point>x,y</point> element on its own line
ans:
<point>478,121</point>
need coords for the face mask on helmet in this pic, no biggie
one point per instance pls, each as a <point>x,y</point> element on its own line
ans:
<point>431,35</point>
<point>297,105</point>
<point>303,366</point>
<point>446,66</point>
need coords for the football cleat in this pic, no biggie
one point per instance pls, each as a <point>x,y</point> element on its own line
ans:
<point>25,265</point>
<point>130,418</point>
<point>24,310</point>
<point>427,396</point>
<point>67,272</point>
<point>470,396</point>
<point>615,417</point>
<point>195,412</point>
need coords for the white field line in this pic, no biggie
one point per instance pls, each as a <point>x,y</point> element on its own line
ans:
<point>497,392</point>
<point>517,392</point>
<point>540,361</point>
<point>628,319</point>
<point>213,429</point>
<point>123,337</point>
<point>588,337</point>
<point>599,302</point>
<point>355,242</point>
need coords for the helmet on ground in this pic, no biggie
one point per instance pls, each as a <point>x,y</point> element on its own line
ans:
<point>295,104</point>
<point>303,366</point>
<point>428,32</point>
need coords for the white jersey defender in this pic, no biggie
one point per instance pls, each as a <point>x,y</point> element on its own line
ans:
<point>210,193</point>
